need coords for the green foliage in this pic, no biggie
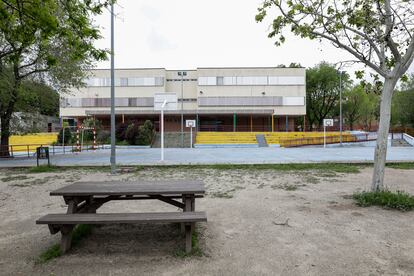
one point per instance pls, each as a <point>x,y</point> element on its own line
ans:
<point>196,250</point>
<point>399,200</point>
<point>359,106</point>
<point>138,135</point>
<point>326,167</point>
<point>49,40</point>
<point>146,132</point>
<point>80,232</point>
<point>89,124</point>
<point>377,33</point>
<point>104,137</point>
<point>68,136</point>
<point>401,166</point>
<point>43,169</point>
<point>51,253</point>
<point>322,92</point>
<point>131,134</point>
<point>37,97</point>
<point>120,131</point>
<point>403,108</point>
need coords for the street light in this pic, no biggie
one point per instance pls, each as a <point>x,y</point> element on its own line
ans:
<point>182,74</point>
<point>112,159</point>
<point>340,107</point>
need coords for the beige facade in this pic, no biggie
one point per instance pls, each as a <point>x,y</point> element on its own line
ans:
<point>228,94</point>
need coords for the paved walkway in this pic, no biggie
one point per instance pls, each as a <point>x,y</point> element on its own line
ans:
<point>219,156</point>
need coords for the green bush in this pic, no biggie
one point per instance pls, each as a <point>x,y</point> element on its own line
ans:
<point>145,133</point>
<point>131,134</point>
<point>120,131</point>
<point>104,137</point>
<point>68,136</point>
<point>393,200</point>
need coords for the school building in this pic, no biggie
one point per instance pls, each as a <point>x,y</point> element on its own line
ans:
<point>219,99</point>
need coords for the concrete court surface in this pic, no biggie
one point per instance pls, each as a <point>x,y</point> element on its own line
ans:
<point>219,156</point>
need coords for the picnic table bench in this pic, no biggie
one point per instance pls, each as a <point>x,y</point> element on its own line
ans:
<point>84,198</point>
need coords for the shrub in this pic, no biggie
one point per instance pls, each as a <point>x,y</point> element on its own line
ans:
<point>104,137</point>
<point>131,134</point>
<point>145,133</point>
<point>68,136</point>
<point>120,131</point>
<point>394,200</point>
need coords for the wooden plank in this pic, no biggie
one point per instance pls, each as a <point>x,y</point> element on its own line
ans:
<point>172,187</point>
<point>110,218</point>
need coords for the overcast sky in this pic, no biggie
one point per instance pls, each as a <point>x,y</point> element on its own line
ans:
<point>186,34</point>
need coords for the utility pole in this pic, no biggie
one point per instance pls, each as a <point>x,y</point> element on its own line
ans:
<point>113,153</point>
<point>340,108</point>
<point>182,74</point>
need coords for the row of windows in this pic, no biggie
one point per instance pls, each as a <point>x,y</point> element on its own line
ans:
<point>203,101</point>
<point>257,80</point>
<point>121,102</point>
<point>133,81</point>
<point>159,81</point>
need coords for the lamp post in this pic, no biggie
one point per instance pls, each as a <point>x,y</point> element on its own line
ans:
<point>113,153</point>
<point>182,74</point>
<point>340,107</point>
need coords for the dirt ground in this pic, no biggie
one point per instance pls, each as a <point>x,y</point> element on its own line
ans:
<point>260,222</point>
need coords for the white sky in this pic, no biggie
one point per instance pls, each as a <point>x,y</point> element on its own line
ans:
<point>186,34</point>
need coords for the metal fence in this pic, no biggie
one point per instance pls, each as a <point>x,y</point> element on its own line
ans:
<point>29,150</point>
<point>289,142</point>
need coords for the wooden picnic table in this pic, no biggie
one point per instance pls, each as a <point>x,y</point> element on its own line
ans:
<point>84,198</point>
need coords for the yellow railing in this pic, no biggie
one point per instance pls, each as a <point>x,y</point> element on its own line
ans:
<point>20,142</point>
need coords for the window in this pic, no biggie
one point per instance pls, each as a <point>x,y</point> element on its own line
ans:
<point>286,80</point>
<point>207,81</point>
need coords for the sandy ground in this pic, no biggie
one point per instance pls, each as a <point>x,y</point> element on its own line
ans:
<point>325,233</point>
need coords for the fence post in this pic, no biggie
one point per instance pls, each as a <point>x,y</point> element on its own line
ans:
<point>28,154</point>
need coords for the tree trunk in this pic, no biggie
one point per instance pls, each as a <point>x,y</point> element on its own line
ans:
<point>5,133</point>
<point>382,136</point>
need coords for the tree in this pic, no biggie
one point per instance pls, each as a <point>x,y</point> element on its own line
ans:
<point>355,102</point>
<point>403,108</point>
<point>47,40</point>
<point>37,97</point>
<point>322,92</point>
<point>370,112</point>
<point>378,33</point>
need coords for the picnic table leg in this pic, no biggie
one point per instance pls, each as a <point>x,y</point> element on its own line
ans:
<point>66,230</point>
<point>188,226</point>
<point>66,240</point>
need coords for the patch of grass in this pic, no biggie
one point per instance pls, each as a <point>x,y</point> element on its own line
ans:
<point>311,179</point>
<point>333,167</point>
<point>196,250</point>
<point>14,178</point>
<point>399,200</point>
<point>43,169</point>
<point>34,182</point>
<point>401,166</point>
<point>290,188</point>
<point>222,194</point>
<point>80,232</point>
<point>53,252</point>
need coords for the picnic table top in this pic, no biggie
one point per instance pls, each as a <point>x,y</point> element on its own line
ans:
<point>140,187</point>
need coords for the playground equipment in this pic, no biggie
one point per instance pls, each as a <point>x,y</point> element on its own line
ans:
<point>80,131</point>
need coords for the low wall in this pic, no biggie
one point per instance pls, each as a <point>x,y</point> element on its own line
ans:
<point>226,145</point>
<point>409,139</point>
